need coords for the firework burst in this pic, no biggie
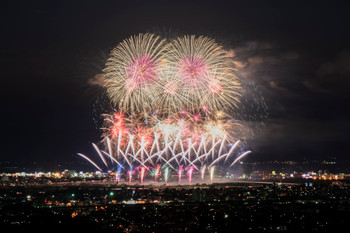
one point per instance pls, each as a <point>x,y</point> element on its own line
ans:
<point>132,71</point>
<point>201,74</point>
<point>173,102</point>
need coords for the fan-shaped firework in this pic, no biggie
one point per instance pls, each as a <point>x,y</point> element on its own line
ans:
<point>184,139</point>
<point>132,71</point>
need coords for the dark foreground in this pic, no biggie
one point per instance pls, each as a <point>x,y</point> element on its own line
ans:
<point>321,206</point>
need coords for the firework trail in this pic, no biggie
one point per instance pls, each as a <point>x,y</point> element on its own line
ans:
<point>203,171</point>
<point>166,174</point>
<point>142,174</point>
<point>211,173</point>
<point>117,175</point>
<point>157,172</point>
<point>130,175</point>
<point>90,161</point>
<point>189,174</point>
<point>240,157</point>
<point>180,173</point>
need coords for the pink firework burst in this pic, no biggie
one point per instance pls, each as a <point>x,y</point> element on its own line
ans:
<point>141,70</point>
<point>193,69</point>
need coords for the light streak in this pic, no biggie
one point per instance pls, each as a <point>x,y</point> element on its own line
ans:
<point>189,174</point>
<point>166,174</point>
<point>211,173</point>
<point>180,173</point>
<point>90,161</point>
<point>203,171</point>
<point>157,172</point>
<point>142,174</point>
<point>240,157</point>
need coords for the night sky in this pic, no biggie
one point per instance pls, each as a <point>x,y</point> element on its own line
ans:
<point>297,53</point>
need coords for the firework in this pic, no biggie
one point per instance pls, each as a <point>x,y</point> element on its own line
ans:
<point>142,174</point>
<point>173,105</point>
<point>203,171</point>
<point>132,71</point>
<point>130,175</point>
<point>211,172</point>
<point>85,157</point>
<point>201,74</point>
<point>189,174</point>
<point>166,174</point>
<point>188,73</point>
<point>157,172</point>
<point>180,173</point>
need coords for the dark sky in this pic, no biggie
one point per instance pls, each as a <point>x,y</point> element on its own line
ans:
<point>296,52</point>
